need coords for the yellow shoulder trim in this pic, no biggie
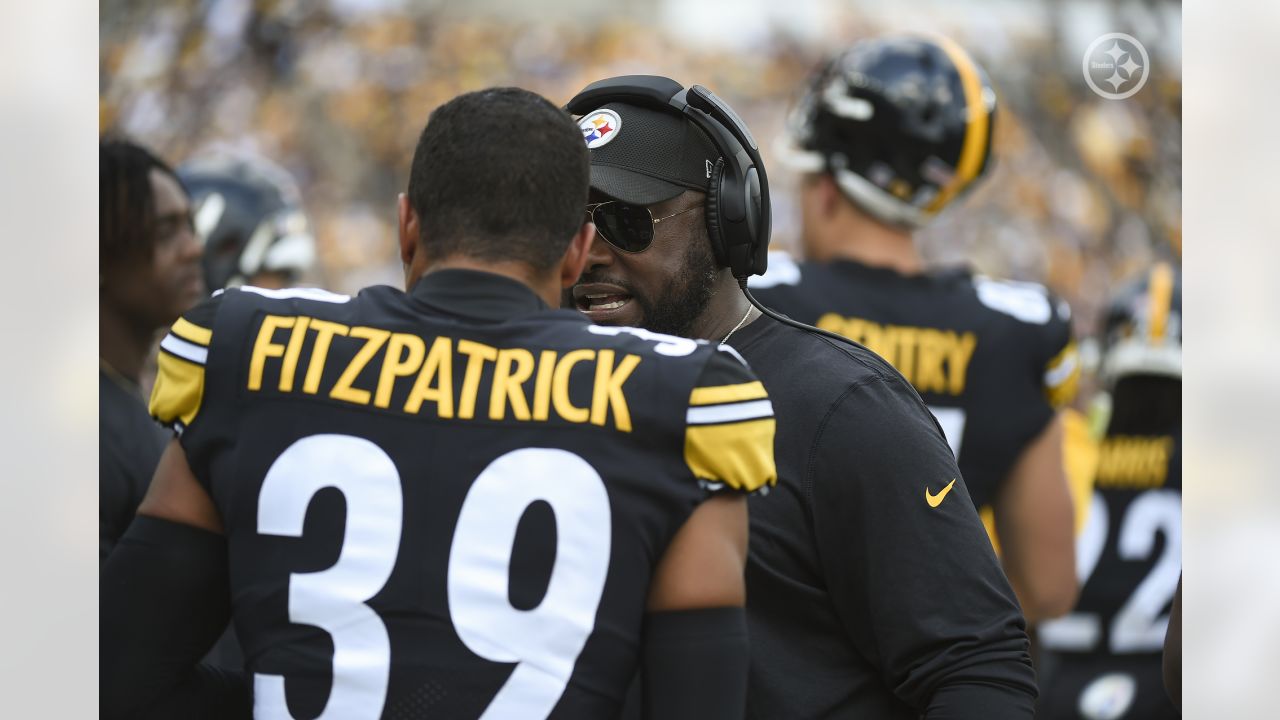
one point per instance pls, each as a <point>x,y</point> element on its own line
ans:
<point>178,391</point>
<point>988,516</point>
<point>191,332</point>
<point>1080,453</point>
<point>739,455</point>
<point>1062,376</point>
<point>727,393</point>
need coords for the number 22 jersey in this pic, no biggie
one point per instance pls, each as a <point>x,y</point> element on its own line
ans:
<point>448,502</point>
<point>1103,660</point>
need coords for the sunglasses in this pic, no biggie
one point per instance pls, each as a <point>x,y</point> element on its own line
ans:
<point>628,228</point>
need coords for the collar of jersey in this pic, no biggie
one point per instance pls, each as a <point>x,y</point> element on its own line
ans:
<point>477,295</point>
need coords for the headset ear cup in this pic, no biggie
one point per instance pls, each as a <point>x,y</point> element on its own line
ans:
<point>713,214</point>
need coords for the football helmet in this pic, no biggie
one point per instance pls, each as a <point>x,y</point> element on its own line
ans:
<point>248,212</point>
<point>903,125</point>
<point>1143,327</point>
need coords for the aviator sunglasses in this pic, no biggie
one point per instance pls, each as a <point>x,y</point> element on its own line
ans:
<point>628,228</point>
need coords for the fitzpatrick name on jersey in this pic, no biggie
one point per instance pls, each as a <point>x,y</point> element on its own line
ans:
<point>933,360</point>
<point>444,379</point>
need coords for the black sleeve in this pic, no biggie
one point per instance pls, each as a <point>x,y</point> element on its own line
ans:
<point>915,581</point>
<point>164,599</point>
<point>695,664</point>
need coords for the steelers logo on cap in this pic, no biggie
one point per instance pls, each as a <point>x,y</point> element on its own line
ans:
<point>599,127</point>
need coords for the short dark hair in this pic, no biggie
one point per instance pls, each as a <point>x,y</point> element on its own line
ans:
<point>500,174</point>
<point>126,205</point>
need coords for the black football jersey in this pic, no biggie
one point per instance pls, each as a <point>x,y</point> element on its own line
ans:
<point>448,502</point>
<point>1129,554</point>
<point>1104,659</point>
<point>992,359</point>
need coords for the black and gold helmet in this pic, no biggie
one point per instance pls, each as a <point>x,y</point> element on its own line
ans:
<point>903,124</point>
<point>1142,330</point>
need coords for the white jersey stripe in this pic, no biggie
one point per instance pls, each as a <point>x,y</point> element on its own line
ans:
<point>186,350</point>
<point>734,412</point>
<point>1061,372</point>
<point>299,293</point>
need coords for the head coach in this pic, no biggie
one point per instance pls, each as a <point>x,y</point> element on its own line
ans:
<point>872,590</point>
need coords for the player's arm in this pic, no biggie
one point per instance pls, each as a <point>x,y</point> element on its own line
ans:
<point>695,646</point>
<point>1035,523</point>
<point>1034,511</point>
<point>164,593</point>
<point>908,563</point>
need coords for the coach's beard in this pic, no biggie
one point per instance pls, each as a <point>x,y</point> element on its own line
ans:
<point>680,302</point>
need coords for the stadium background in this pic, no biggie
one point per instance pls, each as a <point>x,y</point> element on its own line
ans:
<point>57,81</point>
<point>1085,190</point>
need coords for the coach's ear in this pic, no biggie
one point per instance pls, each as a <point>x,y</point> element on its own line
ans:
<point>575,256</point>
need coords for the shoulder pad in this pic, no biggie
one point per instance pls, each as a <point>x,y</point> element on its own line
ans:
<point>1024,301</point>
<point>783,270</point>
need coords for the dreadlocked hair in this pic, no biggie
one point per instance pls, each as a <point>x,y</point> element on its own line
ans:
<point>126,206</point>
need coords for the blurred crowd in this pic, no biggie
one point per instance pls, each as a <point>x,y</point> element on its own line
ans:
<point>1085,190</point>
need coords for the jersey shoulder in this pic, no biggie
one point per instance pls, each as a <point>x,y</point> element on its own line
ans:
<point>730,426</point>
<point>1038,323</point>
<point>1031,304</point>
<point>179,391</point>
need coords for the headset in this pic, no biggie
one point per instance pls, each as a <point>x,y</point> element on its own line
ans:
<point>739,218</point>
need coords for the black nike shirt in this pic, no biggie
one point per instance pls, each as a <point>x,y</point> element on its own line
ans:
<point>864,599</point>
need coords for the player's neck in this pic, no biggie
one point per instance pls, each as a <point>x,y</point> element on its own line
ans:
<point>728,311</point>
<point>851,235</point>
<point>123,343</point>
<point>544,285</point>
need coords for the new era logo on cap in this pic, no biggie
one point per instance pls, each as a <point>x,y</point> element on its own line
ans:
<point>600,127</point>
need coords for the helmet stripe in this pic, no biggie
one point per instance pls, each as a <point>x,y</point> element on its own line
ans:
<point>1160,299</point>
<point>977,132</point>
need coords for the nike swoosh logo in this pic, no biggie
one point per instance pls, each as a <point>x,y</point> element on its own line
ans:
<point>936,500</point>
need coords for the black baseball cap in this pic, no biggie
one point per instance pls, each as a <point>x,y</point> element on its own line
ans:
<point>643,156</point>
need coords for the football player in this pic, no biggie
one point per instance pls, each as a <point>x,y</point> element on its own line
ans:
<point>873,591</point>
<point>453,501</point>
<point>891,132</point>
<point>149,274</point>
<point>1104,659</point>
<point>249,213</point>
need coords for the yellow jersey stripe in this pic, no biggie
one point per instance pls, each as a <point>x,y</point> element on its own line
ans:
<point>1160,297</point>
<point>178,391</point>
<point>1080,458</point>
<point>1062,377</point>
<point>739,455</point>
<point>191,332</point>
<point>727,393</point>
<point>976,134</point>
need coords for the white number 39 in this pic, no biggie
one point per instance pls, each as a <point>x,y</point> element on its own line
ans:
<point>545,641</point>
